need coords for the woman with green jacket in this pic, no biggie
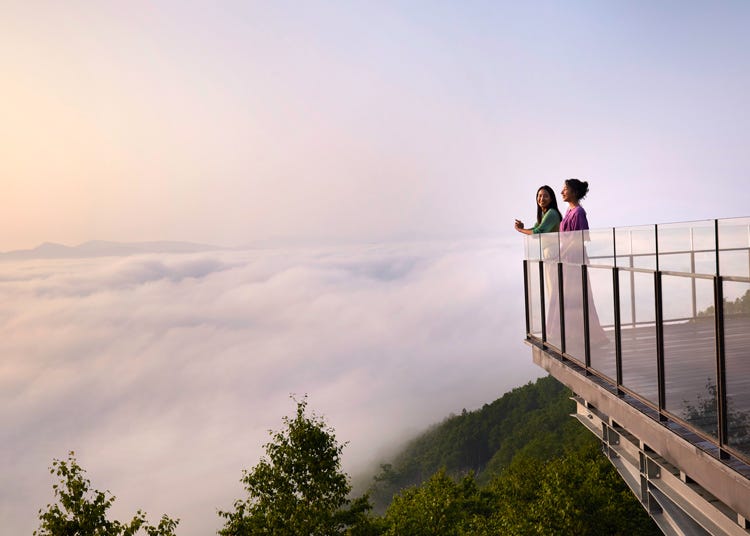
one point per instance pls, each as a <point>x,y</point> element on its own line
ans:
<point>548,216</point>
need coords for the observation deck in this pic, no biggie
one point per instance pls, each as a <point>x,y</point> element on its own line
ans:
<point>649,326</point>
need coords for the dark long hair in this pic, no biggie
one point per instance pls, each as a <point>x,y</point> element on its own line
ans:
<point>552,204</point>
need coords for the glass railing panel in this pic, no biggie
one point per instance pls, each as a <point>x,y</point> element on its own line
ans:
<point>679,243</point>
<point>735,263</point>
<point>675,248</point>
<point>636,297</point>
<point>533,247</point>
<point>734,233</point>
<point>573,294</point>
<point>638,334</point>
<point>571,247</point>
<point>550,246</point>
<point>685,297</point>
<point>535,298</point>
<point>677,298</point>
<point>705,262</point>
<point>704,235</point>
<point>677,262</point>
<point>737,354</point>
<point>647,262</point>
<point>704,245</point>
<point>600,247</point>
<point>734,247</point>
<point>690,350</point>
<point>552,304</point>
<point>602,321</point>
<point>636,247</point>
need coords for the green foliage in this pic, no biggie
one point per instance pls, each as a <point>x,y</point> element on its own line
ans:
<point>703,414</point>
<point>546,475</point>
<point>579,493</point>
<point>740,306</point>
<point>299,488</point>
<point>533,417</point>
<point>440,506</point>
<point>542,473</point>
<point>81,511</point>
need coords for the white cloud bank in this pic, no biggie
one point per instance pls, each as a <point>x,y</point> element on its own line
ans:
<point>165,372</point>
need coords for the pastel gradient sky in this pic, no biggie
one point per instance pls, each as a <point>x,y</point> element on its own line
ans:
<point>395,141</point>
<point>238,122</point>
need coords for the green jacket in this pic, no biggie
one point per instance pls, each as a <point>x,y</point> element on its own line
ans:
<point>550,223</point>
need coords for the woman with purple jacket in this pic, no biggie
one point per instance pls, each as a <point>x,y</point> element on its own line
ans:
<point>575,218</point>
<point>573,252</point>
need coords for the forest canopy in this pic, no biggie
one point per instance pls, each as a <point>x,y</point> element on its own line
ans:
<point>519,465</point>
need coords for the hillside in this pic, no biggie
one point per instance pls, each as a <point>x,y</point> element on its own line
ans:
<point>533,419</point>
<point>525,459</point>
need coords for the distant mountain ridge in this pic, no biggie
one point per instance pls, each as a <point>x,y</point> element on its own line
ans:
<point>103,248</point>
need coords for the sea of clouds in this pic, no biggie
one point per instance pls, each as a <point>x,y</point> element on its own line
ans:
<point>165,372</point>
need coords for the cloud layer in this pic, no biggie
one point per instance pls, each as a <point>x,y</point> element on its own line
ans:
<point>165,372</point>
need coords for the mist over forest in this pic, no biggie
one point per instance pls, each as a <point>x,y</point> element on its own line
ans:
<point>161,370</point>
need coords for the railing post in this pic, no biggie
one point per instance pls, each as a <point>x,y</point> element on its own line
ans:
<point>722,414</point>
<point>692,271</point>
<point>658,303</point>
<point>540,266</point>
<point>614,246</point>
<point>561,301</point>
<point>526,296</point>
<point>586,331</point>
<point>632,283</point>
<point>660,345</point>
<point>721,370</point>
<point>716,245</point>
<point>632,294</point>
<point>618,327</point>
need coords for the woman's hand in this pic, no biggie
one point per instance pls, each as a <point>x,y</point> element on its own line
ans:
<point>520,228</point>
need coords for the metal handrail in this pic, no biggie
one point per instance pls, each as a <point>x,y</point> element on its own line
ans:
<point>557,254</point>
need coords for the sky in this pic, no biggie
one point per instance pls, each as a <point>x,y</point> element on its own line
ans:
<point>237,123</point>
<point>360,164</point>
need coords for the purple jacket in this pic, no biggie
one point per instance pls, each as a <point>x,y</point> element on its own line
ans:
<point>574,220</point>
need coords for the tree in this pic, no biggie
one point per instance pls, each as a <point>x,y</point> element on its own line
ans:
<point>579,493</point>
<point>703,414</point>
<point>439,507</point>
<point>83,512</point>
<point>299,489</point>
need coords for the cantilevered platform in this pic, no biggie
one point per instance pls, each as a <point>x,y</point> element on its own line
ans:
<point>650,328</point>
